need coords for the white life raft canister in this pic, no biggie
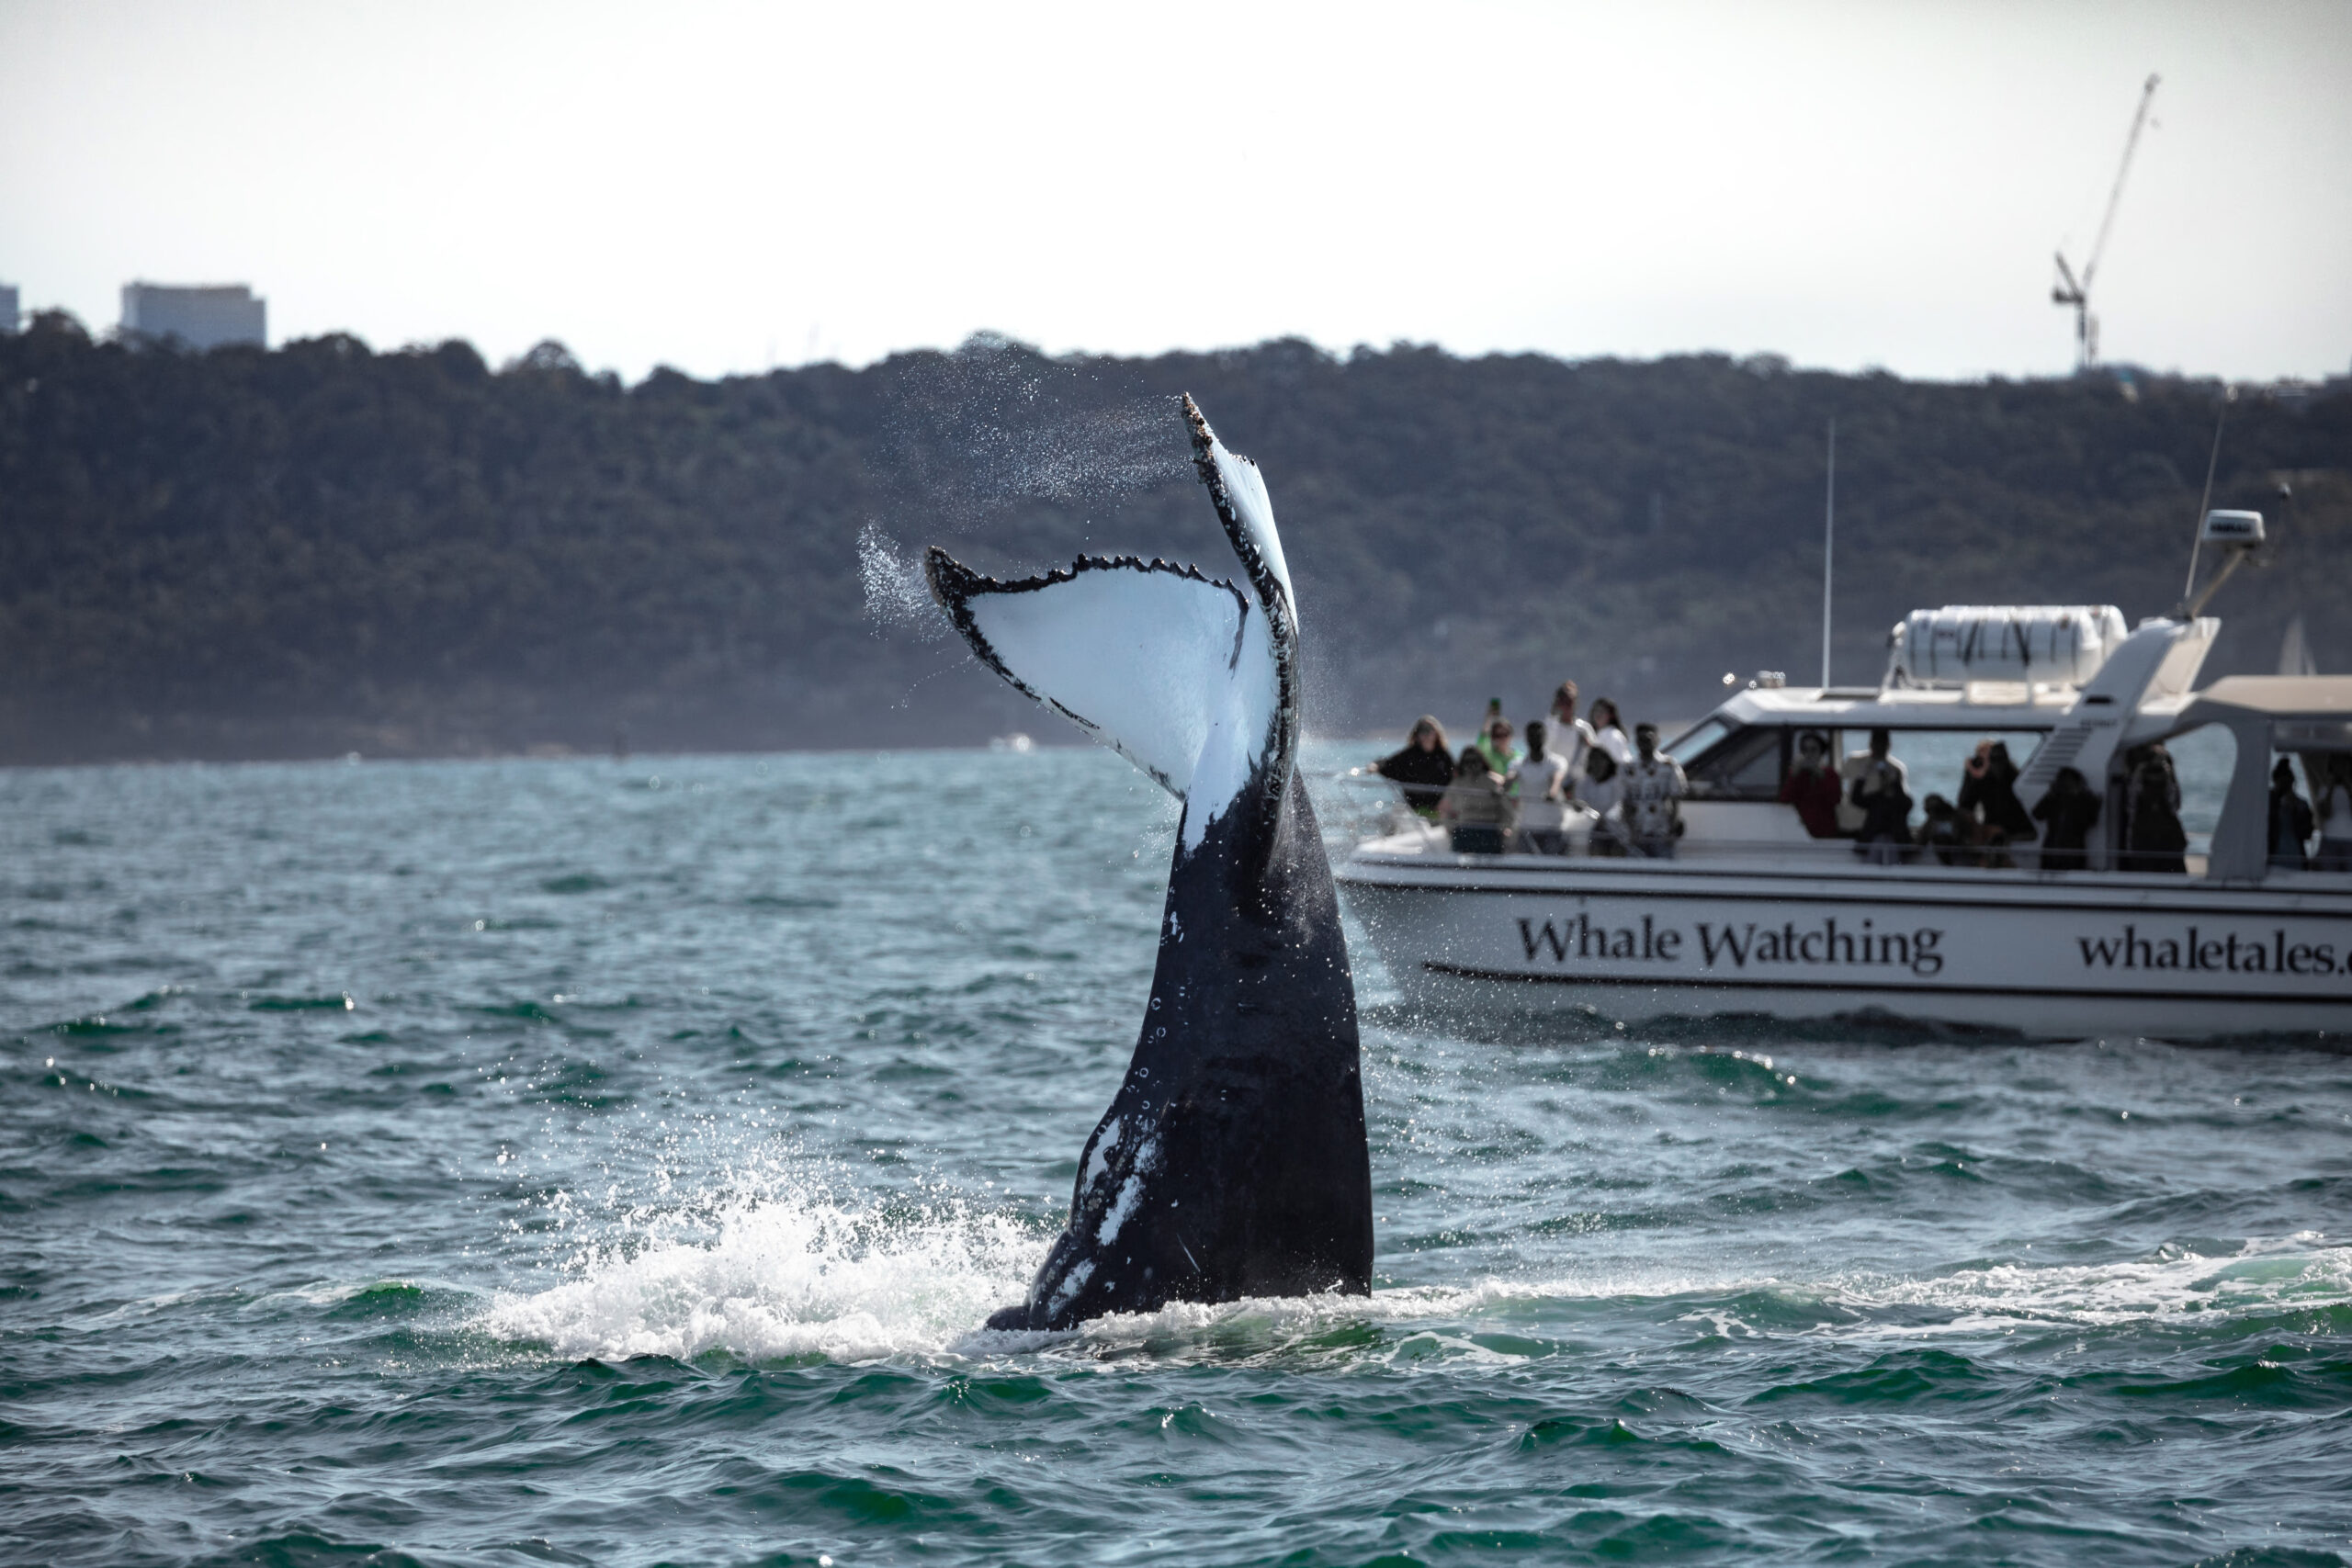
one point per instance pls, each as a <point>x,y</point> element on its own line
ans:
<point>2065,644</point>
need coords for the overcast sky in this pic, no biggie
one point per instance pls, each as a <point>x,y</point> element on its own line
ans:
<point>724,188</point>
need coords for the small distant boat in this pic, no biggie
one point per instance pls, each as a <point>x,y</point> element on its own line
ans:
<point>1755,915</point>
<point>1016,742</point>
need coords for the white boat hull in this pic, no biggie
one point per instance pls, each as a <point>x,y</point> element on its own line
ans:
<point>2062,956</point>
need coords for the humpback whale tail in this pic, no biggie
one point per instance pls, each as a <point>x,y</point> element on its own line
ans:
<point>1194,680</point>
<point>1232,1162</point>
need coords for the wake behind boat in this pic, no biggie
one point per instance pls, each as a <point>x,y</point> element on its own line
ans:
<point>1751,912</point>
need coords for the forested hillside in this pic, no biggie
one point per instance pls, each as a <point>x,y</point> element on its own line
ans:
<point>321,549</point>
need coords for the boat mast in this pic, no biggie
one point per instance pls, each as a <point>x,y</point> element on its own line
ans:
<point>2205,502</point>
<point>1828,543</point>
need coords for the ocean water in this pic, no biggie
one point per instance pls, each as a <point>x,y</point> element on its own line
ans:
<point>577,1161</point>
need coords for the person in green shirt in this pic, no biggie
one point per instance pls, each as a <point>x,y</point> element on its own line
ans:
<point>1494,744</point>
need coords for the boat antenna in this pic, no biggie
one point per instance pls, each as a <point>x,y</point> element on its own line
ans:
<point>2213,461</point>
<point>1829,545</point>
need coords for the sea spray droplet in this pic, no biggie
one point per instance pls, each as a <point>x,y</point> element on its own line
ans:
<point>896,594</point>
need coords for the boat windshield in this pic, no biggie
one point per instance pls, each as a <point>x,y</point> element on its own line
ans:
<point>1683,747</point>
<point>1727,761</point>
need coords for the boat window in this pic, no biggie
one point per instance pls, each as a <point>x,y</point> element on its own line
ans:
<point>1937,760</point>
<point>1745,764</point>
<point>1690,744</point>
<point>2200,763</point>
<point>2318,760</point>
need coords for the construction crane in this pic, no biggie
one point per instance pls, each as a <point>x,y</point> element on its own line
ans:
<point>2068,291</point>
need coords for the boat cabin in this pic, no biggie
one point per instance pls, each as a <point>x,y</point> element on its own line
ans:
<point>2059,687</point>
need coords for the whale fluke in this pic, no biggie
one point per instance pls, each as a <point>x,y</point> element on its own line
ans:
<point>1232,1161</point>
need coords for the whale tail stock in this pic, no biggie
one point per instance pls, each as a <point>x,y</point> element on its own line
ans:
<point>1232,1162</point>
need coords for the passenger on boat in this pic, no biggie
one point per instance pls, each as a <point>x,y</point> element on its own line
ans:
<point>2071,810</point>
<point>1880,793</point>
<point>2335,816</point>
<point>1851,815</point>
<point>1603,791</point>
<point>1948,834</point>
<point>1812,788</point>
<point>1571,737</point>
<point>1539,785</point>
<point>1609,733</point>
<point>1477,814</point>
<point>1424,767</point>
<point>1654,790</point>
<point>1494,744</point>
<point>2290,820</point>
<point>1988,795</point>
<point>2153,838</point>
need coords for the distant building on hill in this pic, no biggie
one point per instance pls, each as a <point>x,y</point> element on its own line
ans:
<point>201,317</point>
<point>7,307</point>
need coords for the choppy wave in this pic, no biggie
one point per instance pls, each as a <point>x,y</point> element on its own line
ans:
<point>646,1200</point>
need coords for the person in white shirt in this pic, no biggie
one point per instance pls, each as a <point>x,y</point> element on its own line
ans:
<point>1603,791</point>
<point>1609,733</point>
<point>1859,765</point>
<point>1571,737</point>
<point>1538,781</point>
<point>1654,792</point>
<point>2335,810</point>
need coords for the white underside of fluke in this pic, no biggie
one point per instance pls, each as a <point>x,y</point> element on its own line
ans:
<point>1181,675</point>
<point>1173,672</point>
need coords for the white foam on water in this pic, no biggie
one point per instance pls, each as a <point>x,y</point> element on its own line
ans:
<point>790,1278</point>
<point>2173,1283</point>
<point>785,1274</point>
<point>1407,1304</point>
<point>2264,1275</point>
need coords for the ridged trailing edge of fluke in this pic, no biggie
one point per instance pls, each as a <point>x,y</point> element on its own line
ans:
<point>1232,1161</point>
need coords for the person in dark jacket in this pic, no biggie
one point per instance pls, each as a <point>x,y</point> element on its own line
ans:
<point>1988,793</point>
<point>2290,820</point>
<point>1886,804</point>
<point>2071,810</point>
<point>1947,833</point>
<point>2153,838</point>
<point>1424,767</point>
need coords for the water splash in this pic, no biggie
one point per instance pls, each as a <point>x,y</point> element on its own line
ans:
<point>790,1272</point>
<point>1128,447</point>
<point>997,423</point>
<point>896,593</point>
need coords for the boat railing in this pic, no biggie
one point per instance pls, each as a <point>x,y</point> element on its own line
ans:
<point>1362,811</point>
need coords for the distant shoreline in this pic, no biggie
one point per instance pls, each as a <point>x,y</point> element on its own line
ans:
<point>318,548</point>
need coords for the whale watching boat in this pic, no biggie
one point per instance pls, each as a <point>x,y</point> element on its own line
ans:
<point>1753,914</point>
